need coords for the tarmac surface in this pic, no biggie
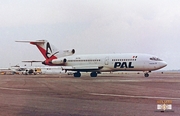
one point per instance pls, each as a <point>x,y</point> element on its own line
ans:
<point>105,95</point>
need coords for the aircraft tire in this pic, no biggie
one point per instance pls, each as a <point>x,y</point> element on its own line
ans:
<point>93,74</point>
<point>146,75</point>
<point>77,74</point>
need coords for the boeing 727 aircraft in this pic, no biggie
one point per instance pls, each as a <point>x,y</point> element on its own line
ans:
<point>97,63</point>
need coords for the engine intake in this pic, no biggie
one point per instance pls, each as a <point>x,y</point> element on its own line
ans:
<point>73,51</point>
<point>69,52</point>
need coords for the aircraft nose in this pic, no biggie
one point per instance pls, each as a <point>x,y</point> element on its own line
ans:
<point>163,64</point>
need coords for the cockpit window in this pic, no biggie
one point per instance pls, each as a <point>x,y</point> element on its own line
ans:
<point>155,59</point>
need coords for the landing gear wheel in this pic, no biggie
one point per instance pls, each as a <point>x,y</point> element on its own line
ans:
<point>146,75</point>
<point>93,74</point>
<point>78,74</point>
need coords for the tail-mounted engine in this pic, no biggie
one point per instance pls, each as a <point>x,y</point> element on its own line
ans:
<point>59,61</point>
<point>69,52</point>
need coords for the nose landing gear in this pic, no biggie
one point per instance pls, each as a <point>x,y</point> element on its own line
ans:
<point>146,74</point>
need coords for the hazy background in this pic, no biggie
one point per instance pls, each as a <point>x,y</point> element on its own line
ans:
<point>91,26</point>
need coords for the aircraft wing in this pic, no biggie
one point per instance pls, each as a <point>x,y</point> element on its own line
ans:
<point>82,68</point>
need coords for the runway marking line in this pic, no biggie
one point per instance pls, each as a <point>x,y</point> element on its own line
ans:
<point>131,96</point>
<point>14,89</point>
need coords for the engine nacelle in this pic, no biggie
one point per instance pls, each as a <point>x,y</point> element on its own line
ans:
<point>69,52</point>
<point>59,61</point>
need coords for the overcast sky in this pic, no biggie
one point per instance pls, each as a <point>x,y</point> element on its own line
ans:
<point>91,26</point>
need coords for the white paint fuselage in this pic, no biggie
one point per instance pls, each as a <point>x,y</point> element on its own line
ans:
<point>111,62</point>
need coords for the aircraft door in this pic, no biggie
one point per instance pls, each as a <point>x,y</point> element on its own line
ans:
<point>106,62</point>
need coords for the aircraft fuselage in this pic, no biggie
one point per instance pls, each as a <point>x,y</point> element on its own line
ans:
<point>111,62</point>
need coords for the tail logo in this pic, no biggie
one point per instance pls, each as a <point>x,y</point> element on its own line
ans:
<point>49,51</point>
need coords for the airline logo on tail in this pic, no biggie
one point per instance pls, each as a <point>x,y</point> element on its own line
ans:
<point>49,52</point>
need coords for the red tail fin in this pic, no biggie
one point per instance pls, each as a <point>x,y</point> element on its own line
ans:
<point>48,51</point>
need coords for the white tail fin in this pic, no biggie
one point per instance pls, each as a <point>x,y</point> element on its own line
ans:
<point>48,50</point>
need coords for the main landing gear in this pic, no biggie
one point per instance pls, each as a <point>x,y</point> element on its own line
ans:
<point>92,74</point>
<point>77,74</point>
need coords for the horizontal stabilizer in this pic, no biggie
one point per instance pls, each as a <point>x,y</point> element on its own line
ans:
<point>33,42</point>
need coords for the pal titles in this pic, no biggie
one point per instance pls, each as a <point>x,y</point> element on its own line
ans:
<point>123,65</point>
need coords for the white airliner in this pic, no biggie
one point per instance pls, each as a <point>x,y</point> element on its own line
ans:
<point>97,63</point>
